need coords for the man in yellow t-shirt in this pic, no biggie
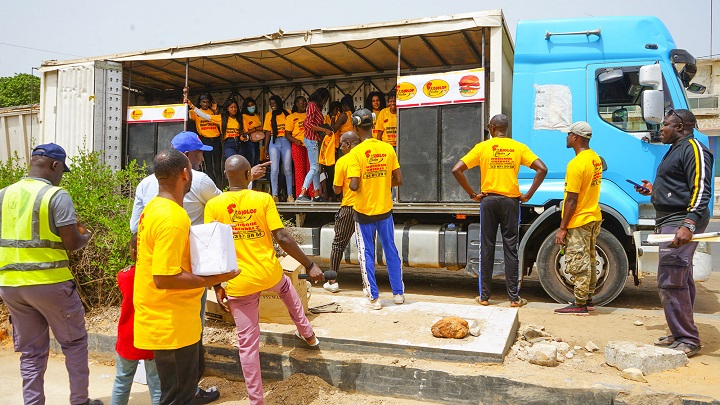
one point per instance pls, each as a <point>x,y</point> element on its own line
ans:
<point>386,124</point>
<point>256,221</point>
<point>166,292</point>
<point>499,159</point>
<point>344,222</point>
<point>373,169</point>
<point>581,218</point>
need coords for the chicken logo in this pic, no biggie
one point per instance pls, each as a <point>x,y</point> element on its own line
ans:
<point>240,216</point>
<point>501,152</point>
<point>168,112</point>
<point>136,114</point>
<point>436,88</point>
<point>406,91</point>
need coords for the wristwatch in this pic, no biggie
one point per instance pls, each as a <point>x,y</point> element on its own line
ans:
<point>689,226</point>
<point>473,195</point>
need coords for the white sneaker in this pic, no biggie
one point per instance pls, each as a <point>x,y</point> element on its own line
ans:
<point>333,288</point>
<point>366,292</point>
<point>374,304</point>
<point>399,299</point>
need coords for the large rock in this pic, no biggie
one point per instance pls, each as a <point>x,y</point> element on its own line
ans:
<point>543,354</point>
<point>450,327</point>
<point>646,358</point>
<point>533,331</point>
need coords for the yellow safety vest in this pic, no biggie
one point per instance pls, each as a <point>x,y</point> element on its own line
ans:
<point>30,253</point>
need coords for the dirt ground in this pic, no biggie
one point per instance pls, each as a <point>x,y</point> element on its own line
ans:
<point>701,377</point>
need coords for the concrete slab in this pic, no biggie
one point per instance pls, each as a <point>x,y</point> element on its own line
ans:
<point>404,330</point>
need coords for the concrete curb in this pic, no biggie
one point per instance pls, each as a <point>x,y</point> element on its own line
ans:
<point>393,380</point>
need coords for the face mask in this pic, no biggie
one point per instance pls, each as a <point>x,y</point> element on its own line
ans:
<point>251,110</point>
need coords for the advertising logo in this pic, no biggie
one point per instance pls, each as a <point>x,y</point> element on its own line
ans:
<point>501,152</point>
<point>436,88</point>
<point>168,112</point>
<point>136,114</point>
<point>469,85</point>
<point>406,91</point>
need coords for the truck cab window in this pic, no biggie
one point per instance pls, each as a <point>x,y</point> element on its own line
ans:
<point>620,97</point>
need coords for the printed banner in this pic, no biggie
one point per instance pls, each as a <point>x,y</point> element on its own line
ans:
<point>462,86</point>
<point>157,113</point>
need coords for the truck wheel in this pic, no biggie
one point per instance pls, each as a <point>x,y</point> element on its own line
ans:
<point>612,269</point>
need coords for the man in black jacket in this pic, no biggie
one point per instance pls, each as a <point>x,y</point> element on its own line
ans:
<point>680,194</point>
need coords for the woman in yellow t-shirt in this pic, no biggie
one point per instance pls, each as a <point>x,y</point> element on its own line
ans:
<point>251,123</point>
<point>295,133</point>
<point>375,102</point>
<point>278,147</point>
<point>209,132</point>
<point>230,127</point>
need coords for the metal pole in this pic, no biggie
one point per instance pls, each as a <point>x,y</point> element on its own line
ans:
<point>399,53</point>
<point>485,104</point>
<point>127,124</point>
<point>187,73</point>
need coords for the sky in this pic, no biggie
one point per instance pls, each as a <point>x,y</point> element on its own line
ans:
<point>38,30</point>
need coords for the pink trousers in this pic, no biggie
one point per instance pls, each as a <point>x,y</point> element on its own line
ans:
<point>245,311</point>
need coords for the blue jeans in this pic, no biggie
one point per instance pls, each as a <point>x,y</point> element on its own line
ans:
<point>248,149</point>
<point>124,378</point>
<point>280,151</point>
<point>314,173</point>
<point>366,255</point>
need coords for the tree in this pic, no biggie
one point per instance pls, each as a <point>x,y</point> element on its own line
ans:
<point>21,89</point>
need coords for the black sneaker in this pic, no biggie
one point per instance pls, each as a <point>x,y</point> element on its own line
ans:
<point>93,402</point>
<point>590,305</point>
<point>303,199</point>
<point>319,199</point>
<point>573,309</point>
<point>205,397</point>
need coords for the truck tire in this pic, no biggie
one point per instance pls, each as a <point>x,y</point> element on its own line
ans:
<point>612,269</point>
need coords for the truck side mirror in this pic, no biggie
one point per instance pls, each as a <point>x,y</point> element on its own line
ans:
<point>651,75</point>
<point>653,106</point>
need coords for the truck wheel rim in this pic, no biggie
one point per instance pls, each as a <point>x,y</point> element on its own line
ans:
<point>567,278</point>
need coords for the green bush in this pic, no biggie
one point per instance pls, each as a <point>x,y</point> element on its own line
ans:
<point>103,202</point>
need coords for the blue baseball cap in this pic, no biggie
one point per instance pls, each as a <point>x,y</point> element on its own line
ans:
<point>188,141</point>
<point>52,151</point>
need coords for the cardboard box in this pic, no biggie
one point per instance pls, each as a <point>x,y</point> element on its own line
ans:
<point>272,309</point>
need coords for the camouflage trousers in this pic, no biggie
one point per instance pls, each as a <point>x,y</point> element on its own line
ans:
<point>580,260</point>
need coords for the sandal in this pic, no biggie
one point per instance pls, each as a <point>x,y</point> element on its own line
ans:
<point>317,341</point>
<point>482,301</point>
<point>688,348</point>
<point>668,340</point>
<point>521,302</point>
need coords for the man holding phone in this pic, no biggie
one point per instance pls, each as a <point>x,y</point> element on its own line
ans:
<point>581,218</point>
<point>680,194</point>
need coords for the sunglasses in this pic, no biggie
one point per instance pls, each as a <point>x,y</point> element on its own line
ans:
<point>672,112</point>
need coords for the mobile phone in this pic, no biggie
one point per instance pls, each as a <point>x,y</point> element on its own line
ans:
<point>640,186</point>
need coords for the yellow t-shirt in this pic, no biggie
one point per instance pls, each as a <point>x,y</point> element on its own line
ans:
<point>206,128</point>
<point>294,125</point>
<point>342,180</point>
<point>386,126</point>
<point>375,132</point>
<point>347,126</point>
<point>280,119</point>
<point>250,122</point>
<point>164,319</point>
<point>583,176</point>
<point>253,216</point>
<point>233,126</point>
<point>499,160</point>
<point>373,162</point>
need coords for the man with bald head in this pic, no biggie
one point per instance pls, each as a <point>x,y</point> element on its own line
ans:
<point>40,227</point>
<point>499,159</point>
<point>344,222</point>
<point>255,222</point>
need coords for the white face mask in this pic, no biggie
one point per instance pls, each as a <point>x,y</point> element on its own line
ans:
<point>251,110</point>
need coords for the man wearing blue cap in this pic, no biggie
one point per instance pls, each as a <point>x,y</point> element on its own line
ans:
<point>39,227</point>
<point>202,189</point>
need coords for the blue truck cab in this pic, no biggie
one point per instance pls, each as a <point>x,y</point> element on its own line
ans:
<point>620,74</point>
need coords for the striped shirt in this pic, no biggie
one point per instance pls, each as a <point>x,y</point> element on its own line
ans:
<point>314,118</point>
